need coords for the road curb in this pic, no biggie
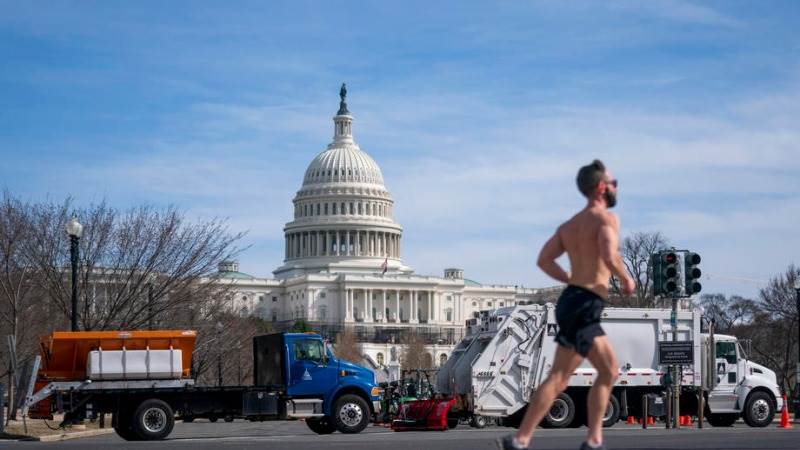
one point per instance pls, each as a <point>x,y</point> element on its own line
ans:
<point>75,435</point>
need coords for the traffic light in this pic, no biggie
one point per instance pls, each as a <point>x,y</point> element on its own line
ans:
<point>692,273</point>
<point>655,272</point>
<point>669,273</point>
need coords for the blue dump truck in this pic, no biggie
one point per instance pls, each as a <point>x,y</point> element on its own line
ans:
<point>140,377</point>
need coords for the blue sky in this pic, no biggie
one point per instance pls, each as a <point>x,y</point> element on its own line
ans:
<point>478,113</point>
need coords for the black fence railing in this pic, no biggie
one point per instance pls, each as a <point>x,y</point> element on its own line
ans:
<point>429,335</point>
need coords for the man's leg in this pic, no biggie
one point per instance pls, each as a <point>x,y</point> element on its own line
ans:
<point>565,362</point>
<point>603,359</point>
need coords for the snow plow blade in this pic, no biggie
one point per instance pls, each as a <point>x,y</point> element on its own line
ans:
<point>423,415</point>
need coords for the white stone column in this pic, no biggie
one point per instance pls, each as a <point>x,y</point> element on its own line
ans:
<point>431,306</point>
<point>357,246</point>
<point>397,305</point>
<point>368,306</point>
<point>350,304</point>
<point>347,243</point>
<point>311,311</point>
<point>413,316</point>
<point>384,318</point>
<point>338,242</point>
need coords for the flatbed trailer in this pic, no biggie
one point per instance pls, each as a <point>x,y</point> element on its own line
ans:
<point>296,377</point>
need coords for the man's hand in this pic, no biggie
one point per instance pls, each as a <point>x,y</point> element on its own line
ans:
<point>628,286</point>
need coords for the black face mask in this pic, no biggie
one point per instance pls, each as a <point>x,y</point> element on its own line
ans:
<point>610,198</point>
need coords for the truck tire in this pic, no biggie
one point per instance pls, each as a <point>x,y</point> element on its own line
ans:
<point>122,426</point>
<point>561,414</point>
<point>351,414</point>
<point>320,425</point>
<point>612,412</point>
<point>452,422</point>
<point>153,420</point>
<point>478,422</point>
<point>759,409</point>
<point>722,420</point>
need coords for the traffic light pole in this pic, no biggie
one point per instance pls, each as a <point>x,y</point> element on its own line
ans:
<point>676,375</point>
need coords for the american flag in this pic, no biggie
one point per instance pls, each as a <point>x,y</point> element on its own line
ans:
<point>385,265</point>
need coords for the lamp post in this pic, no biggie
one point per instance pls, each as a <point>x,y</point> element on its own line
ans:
<point>219,327</point>
<point>74,230</point>
<point>797,370</point>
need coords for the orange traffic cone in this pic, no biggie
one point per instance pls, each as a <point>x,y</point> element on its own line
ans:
<point>631,420</point>
<point>681,420</point>
<point>651,420</point>
<point>785,423</point>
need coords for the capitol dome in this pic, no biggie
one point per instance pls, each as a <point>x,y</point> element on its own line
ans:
<point>342,213</point>
<point>343,164</point>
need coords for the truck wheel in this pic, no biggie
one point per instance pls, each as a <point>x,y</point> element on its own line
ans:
<point>452,422</point>
<point>478,422</point>
<point>351,414</point>
<point>212,419</point>
<point>320,425</point>
<point>228,419</point>
<point>153,420</point>
<point>612,412</point>
<point>123,427</point>
<point>561,413</point>
<point>722,420</point>
<point>759,409</point>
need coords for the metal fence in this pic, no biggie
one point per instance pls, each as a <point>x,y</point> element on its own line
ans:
<point>384,334</point>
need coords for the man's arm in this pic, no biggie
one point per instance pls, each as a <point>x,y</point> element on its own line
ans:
<point>608,242</point>
<point>552,249</point>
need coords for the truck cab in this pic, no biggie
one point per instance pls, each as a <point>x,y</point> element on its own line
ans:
<point>308,370</point>
<point>737,386</point>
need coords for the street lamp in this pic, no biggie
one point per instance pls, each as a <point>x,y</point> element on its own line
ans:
<point>797,370</point>
<point>219,327</point>
<point>74,230</point>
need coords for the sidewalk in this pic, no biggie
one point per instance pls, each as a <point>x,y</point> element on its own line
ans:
<point>48,431</point>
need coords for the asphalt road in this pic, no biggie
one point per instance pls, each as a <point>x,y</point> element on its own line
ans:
<point>296,436</point>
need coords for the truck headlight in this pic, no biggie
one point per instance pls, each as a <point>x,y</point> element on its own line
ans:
<point>376,391</point>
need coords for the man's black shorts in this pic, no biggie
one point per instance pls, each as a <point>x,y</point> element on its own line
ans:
<point>578,314</point>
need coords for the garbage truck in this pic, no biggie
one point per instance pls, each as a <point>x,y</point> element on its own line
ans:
<point>506,353</point>
<point>143,378</point>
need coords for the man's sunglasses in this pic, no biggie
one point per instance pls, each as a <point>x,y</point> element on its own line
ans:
<point>612,182</point>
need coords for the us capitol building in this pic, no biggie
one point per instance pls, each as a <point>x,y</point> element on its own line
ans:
<point>343,265</point>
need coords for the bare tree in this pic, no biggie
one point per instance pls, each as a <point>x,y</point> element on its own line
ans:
<point>347,346</point>
<point>775,326</point>
<point>769,324</point>
<point>636,250</point>
<point>135,265</point>
<point>414,354</point>
<point>728,312</point>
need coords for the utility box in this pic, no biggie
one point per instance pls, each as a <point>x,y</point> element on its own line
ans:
<point>656,405</point>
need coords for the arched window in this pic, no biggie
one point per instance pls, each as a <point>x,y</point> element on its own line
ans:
<point>326,209</point>
<point>359,208</point>
<point>442,359</point>
<point>379,359</point>
<point>317,208</point>
<point>448,313</point>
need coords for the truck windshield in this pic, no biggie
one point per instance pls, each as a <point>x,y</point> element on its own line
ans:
<point>727,350</point>
<point>308,350</point>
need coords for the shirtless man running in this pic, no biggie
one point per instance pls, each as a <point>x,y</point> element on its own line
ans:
<point>590,239</point>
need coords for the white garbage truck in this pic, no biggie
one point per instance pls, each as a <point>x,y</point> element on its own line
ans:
<point>506,353</point>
